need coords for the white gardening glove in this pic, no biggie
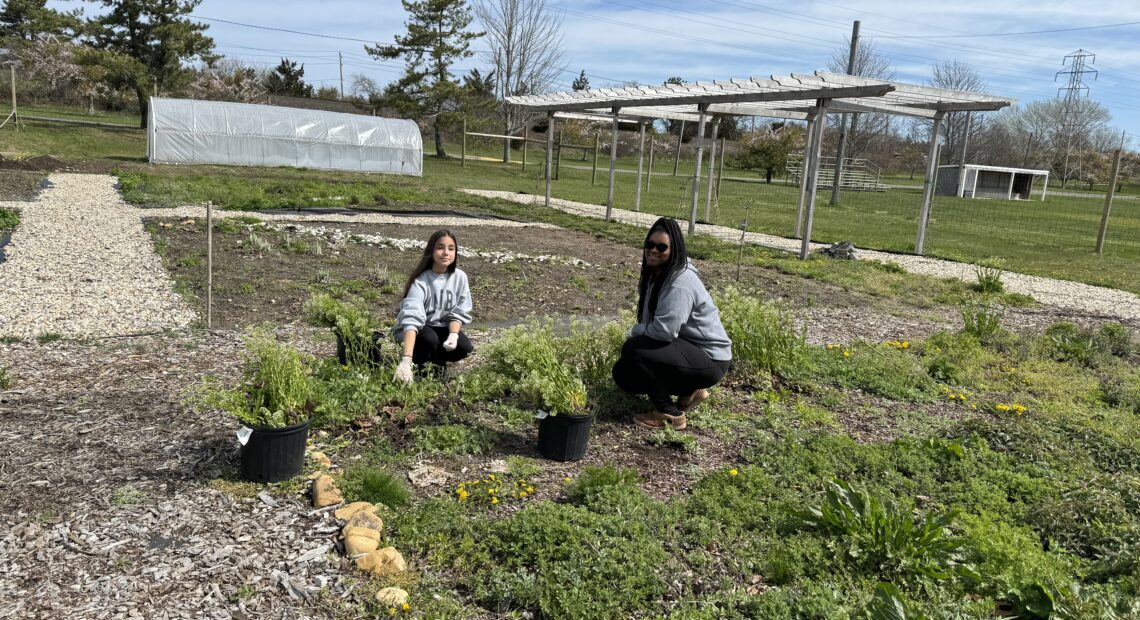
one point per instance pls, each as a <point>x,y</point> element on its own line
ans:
<point>404,370</point>
<point>451,342</point>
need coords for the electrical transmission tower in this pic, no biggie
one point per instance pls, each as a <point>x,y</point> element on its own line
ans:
<point>1076,67</point>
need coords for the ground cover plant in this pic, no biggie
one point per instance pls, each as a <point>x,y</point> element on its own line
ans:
<point>972,472</point>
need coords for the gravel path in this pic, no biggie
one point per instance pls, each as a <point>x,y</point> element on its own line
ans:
<point>80,264</point>
<point>1071,296</point>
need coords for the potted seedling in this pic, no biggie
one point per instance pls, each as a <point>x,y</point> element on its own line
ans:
<point>274,404</point>
<point>358,341</point>
<point>531,362</point>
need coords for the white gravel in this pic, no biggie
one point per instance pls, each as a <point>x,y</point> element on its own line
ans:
<point>199,211</point>
<point>81,264</point>
<point>1071,296</point>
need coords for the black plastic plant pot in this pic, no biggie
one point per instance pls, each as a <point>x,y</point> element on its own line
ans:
<point>564,437</point>
<point>274,454</point>
<point>375,352</point>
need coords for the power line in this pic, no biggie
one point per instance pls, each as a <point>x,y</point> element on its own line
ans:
<point>1009,34</point>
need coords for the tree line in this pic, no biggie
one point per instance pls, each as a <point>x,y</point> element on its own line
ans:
<point>129,50</point>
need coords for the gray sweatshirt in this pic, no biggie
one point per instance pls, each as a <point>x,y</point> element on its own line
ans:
<point>434,299</point>
<point>686,309</point>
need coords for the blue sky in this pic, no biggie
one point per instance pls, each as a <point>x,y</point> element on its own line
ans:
<point>649,40</point>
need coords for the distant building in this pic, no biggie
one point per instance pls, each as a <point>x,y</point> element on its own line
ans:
<point>977,181</point>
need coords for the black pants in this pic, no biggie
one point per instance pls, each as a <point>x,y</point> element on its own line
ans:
<point>429,347</point>
<point>662,370</point>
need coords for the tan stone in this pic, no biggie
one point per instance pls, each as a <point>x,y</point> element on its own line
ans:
<point>344,513</point>
<point>386,561</point>
<point>358,544</point>
<point>322,461</point>
<point>392,597</point>
<point>325,492</point>
<point>366,519</point>
<point>366,532</point>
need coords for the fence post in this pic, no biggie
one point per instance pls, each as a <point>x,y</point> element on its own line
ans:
<point>640,160</point>
<point>558,164</point>
<point>526,137</point>
<point>677,155</point>
<point>816,143</point>
<point>703,107</point>
<point>928,186</point>
<point>15,115</point>
<point>549,151</point>
<point>613,166</point>
<point>463,149</point>
<point>720,170</point>
<point>209,264</point>
<point>712,170</point>
<point>597,147</point>
<point>1108,203</point>
<point>649,171</point>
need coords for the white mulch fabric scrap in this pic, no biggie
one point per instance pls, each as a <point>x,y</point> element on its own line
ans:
<point>1072,296</point>
<point>80,263</point>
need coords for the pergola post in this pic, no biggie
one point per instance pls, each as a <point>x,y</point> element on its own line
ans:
<point>712,169</point>
<point>813,175</point>
<point>549,152</point>
<point>811,120</point>
<point>613,166</point>
<point>703,107</point>
<point>597,147</point>
<point>928,185</point>
<point>526,138</point>
<point>640,158</point>
<point>677,154</point>
<point>649,169</point>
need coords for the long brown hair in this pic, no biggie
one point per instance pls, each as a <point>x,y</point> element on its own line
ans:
<point>426,260</point>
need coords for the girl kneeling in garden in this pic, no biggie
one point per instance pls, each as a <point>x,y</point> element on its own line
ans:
<point>678,346</point>
<point>437,302</point>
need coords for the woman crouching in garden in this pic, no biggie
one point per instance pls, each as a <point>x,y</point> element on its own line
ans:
<point>678,346</point>
<point>437,303</point>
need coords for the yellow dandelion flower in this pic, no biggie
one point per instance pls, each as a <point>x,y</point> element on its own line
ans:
<point>568,479</point>
<point>494,500</point>
<point>1002,407</point>
<point>733,472</point>
<point>406,606</point>
<point>391,611</point>
<point>491,477</point>
<point>529,489</point>
<point>846,354</point>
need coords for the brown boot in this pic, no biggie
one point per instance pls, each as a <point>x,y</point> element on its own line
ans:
<point>686,403</point>
<point>655,420</point>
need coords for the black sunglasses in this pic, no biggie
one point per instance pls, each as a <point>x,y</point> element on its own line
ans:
<point>660,247</point>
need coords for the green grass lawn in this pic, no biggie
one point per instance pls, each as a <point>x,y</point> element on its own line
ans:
<point>1054,238</point>
<point>72,113</point>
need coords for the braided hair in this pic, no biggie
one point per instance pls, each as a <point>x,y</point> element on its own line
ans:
<point>649,281</point>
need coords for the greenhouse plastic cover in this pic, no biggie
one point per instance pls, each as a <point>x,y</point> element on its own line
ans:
<point>189,131</point>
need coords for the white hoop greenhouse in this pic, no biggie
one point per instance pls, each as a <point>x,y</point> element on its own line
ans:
<point>188,131</point>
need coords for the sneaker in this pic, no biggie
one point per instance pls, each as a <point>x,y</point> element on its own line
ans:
<point>686,403</point>
<point>655,420</point>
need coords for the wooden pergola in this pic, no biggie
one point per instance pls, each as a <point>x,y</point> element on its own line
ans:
<point>796,97</point>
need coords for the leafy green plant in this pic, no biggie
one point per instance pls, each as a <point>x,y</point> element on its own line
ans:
<point>594,478</point>
<point>275,390</point>
<point>1066,342</point>
<point>886,371</point>
<point>888,603</point>
<point>1114,339</point>
<point>350,321</point>
<point>5,380</point>
<point>989,277</point>
<point>1120,387</point>
<point>982,321</point>
<point>453,439</point>
<point>884,536</point>
<point>669,438</point>
<point>592,350</point>
<point>764,336</point>
<point>48,337</point>
<point>9,218</point>
<point>366,483</point>
<point>127,495</point>
<point>528,358</point>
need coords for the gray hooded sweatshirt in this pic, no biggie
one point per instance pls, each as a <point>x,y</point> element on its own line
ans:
<point>685,309</point>
<point>434,299</point>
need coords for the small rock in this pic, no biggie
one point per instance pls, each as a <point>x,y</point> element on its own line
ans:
<point>359,541</point>
<point>321,460</point>
<point>325,492</point>
<point>426,476</point>
<point>344,513</point>
<point>392,597</point>
<point>366,520</point>
<point>386,561</point>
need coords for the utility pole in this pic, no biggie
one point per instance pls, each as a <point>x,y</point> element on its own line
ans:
<point>1075,68</point>
<point>838,175</point>
<point>340,56</point>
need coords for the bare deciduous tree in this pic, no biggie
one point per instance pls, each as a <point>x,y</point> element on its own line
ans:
<point>864,130</point>
<point>958,75</point>
<point>525,54</point>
